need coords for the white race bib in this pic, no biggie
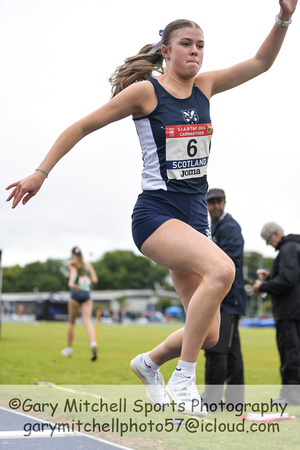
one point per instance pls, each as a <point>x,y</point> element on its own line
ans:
<point>84,283</point>
<point>187,150</point>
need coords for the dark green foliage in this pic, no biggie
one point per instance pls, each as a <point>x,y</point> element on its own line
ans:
<point>120,269</point>
<point>48,276</point>
<point>123,269</point>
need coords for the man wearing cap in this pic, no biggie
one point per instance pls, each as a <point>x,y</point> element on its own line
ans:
<point>224,362</point>
<point>283,285</point>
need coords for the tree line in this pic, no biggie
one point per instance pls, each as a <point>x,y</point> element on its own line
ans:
<point>120,269</point>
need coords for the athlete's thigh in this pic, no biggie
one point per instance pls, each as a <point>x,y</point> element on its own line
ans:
<point>86,309</point>
<point>181,248</point>
<point>73,310</point>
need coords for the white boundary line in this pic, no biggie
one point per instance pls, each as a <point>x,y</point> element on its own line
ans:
<point>37,434</point>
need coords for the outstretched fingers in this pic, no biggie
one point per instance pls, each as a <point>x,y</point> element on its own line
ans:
<point>24,189</point>
<point>15,194</point>
<point>11,195</point>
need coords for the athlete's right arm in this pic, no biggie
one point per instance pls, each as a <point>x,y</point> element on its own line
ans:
<point>136,100</point>
<point>72,277</point>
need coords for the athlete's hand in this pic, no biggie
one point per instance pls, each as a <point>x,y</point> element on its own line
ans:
<point>25,189</point>
<point>74,287</point>
<point>288,7</point>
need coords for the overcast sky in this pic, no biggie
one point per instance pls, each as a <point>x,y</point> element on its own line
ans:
<point>56,57</point>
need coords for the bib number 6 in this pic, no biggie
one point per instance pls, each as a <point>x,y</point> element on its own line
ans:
<point>191,148</point>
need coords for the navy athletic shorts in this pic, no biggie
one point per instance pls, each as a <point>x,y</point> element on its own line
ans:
<point>153,208</point>
<point>80,296</point>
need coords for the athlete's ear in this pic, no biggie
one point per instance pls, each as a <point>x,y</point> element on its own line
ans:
<point>165,51</point>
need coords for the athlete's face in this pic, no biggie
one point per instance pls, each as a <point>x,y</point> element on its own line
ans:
<point>215,208</point>
<point>184,55</point>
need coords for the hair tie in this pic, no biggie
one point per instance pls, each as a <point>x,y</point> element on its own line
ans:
<point>158,44</point>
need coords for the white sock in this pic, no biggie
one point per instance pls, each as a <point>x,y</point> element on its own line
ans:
<point>93,344</point>
<point>149,363</point>
<point>185,368</point>
<point>69,349</point>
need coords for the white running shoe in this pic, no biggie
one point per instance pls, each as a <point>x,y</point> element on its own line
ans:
<point>183,390</point>
<point>67,352</point>
<point>153,380</point>
<point>94,352</point>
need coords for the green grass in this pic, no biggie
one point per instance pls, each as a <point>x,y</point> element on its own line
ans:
<point>32,351</point>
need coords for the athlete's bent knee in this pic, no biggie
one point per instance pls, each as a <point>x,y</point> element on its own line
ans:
<point>224,275</point>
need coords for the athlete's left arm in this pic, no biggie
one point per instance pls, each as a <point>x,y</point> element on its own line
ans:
<point>221,80</point>
<point>72,277</point>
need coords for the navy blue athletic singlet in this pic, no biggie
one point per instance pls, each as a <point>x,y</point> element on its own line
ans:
<point>175,140</point>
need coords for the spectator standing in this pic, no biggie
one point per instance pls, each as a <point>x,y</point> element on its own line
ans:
<point>224,361</point>
<point>283,285</point>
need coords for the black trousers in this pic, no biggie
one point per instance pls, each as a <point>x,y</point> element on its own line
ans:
<point>224,364</point>
<point>288,343</point>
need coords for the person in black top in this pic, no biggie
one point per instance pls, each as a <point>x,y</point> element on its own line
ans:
<point>224,361</point>
<point>283,285</point>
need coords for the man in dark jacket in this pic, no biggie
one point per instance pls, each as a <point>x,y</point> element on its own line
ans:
<point>224,362</point>
<point>283,284</point>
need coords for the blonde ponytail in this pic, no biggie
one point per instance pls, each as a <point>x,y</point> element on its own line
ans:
<point>136,68</point>
<point>77,259</point>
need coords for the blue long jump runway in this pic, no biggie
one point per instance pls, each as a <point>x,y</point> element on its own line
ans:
<point>15,434</point>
